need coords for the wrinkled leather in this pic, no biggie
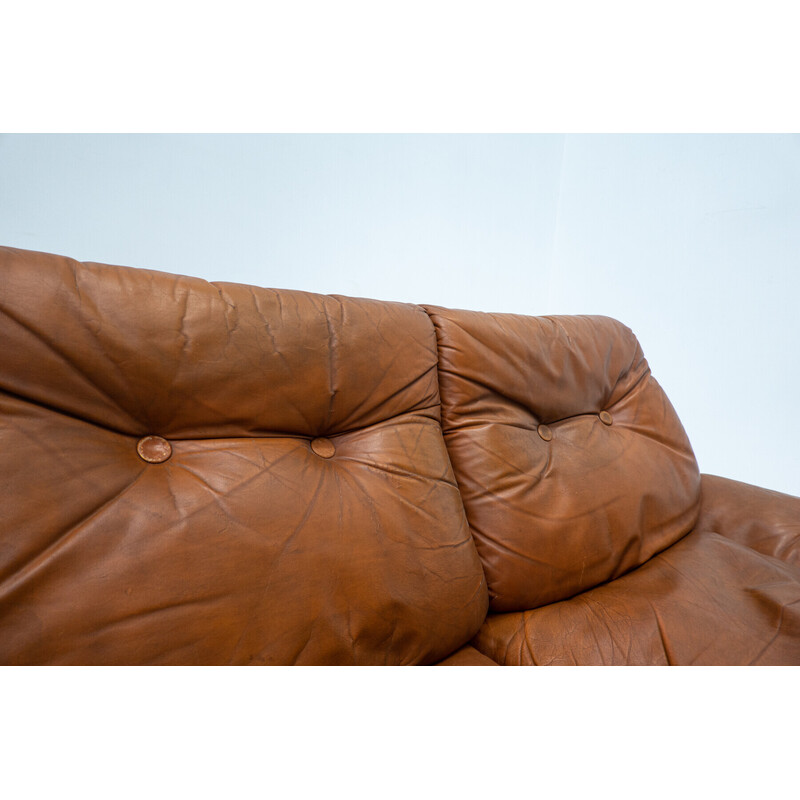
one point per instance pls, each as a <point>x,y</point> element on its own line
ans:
<point>245,545</point>
<point>467,656</point>
<point>201,473</point>
<point>766,521</point>
<point>554,517</point>
<point>705,600</point>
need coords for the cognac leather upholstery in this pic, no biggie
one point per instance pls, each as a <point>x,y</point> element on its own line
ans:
<point>601,535</point>
<point>467,656</point>
<point>307,513</point>
<point>705,600</point>
<point>572,464</point>
<point>200,473</point>
<point>766,521</point>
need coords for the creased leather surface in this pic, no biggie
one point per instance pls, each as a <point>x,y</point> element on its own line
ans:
<point>246,545</point>
<point>762,519</point>
<point>467,656</point>
<point>705,600</point>
<point>555,517</point>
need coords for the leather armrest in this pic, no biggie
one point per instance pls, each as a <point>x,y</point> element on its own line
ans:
<point>763,520</point>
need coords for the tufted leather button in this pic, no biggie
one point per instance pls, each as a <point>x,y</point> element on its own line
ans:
<point>323,447</point>
<point>545,432</point>
<point>605,418</point>
<point>154,449</point>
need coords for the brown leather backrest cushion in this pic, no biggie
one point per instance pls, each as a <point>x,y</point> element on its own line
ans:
<point>572,463</point>
<point>297,507</point>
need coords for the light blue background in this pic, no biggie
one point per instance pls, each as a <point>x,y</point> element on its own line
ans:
<point>692,241</point>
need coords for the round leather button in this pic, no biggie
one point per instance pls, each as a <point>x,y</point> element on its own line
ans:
<point>323,447</point>
<point>545,432</point>
<point>154,449</point>
<point>605,418</point>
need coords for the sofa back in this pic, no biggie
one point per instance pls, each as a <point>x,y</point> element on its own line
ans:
<point>572,463</point>
<point>215,473</point>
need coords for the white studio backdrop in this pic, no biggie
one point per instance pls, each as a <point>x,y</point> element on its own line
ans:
<point>693,241</point>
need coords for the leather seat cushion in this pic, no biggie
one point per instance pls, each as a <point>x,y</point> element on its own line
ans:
<point>705,600</point>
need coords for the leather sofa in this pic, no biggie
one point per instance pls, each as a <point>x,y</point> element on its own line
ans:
<point>213,473</point>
